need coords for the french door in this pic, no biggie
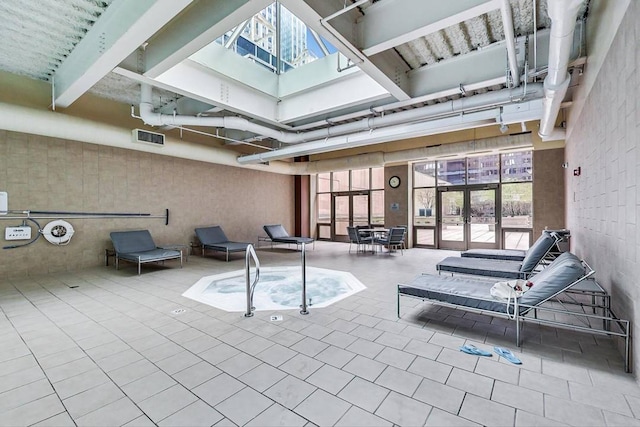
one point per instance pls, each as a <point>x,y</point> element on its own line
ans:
<point>468,217</point>
<point>348,209</point>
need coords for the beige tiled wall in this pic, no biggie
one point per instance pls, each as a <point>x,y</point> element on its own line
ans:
<point>548,190</point>
<point>400,195</point>
<point>49,174</point>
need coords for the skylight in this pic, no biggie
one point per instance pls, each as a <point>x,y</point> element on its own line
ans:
<point>275,33</point>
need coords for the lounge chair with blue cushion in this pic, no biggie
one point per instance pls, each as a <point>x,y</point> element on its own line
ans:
<point>563,274</point>
<point>278,234</point>
<point>499,268</point>
<point>138,247</point>
<point>513,254</point>
<point>213,238</point>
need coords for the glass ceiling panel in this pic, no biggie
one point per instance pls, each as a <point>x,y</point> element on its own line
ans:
<point>259,38</point>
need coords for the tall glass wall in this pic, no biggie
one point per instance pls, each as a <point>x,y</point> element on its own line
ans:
<point>510,172</point>
<point>344,198</point>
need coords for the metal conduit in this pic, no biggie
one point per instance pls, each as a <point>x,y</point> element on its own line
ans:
<point>27,214</point>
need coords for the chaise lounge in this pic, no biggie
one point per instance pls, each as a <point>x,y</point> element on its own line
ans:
<point>213,238</point>
<point>515,254</point>
<point>278,234</point>
<point>565,274</point>
<point>499,268</point>
<point>138,247</point>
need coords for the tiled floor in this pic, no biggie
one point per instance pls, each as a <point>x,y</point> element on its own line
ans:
<point>102,347</point>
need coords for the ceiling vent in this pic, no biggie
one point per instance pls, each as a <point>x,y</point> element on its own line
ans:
<point>141,135</point>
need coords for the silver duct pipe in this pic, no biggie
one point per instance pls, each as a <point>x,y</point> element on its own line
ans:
<point>509,38</point>
<point>487,112</point>
<point>563,14</point>
<point>377,159</point>
<point>417,114</point>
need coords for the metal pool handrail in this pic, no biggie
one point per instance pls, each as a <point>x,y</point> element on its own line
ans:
<point>303,260</point>
<point>249,254</point>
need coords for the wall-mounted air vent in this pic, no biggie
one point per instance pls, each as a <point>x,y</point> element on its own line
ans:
<point>140,135</point>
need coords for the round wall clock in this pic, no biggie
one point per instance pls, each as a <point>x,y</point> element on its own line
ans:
<point>394,182</point>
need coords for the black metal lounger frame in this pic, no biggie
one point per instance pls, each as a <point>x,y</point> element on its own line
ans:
<point>518,313</point>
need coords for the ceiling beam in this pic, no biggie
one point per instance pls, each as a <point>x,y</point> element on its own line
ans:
<point>478,69</point>
<point>389,71</point>
<point>352,90</point>
<point>198,26</point>
<point>228,63</point>
<point>121,29</point>
<point>203,84</point>
<point>486,65</point>
<point>391,23</point>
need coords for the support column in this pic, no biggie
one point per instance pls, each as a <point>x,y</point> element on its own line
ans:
<point>302,202</point>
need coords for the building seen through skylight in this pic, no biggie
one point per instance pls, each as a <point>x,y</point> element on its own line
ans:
<point>259,36</point>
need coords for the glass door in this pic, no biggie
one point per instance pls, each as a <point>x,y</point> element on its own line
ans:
<point>349,209</point>
<point>452,230</point>
<point>468,218</point>
<point>482,219</point>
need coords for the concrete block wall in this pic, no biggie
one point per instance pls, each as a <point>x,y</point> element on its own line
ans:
<point>602,203</point>
<point>41,173</point>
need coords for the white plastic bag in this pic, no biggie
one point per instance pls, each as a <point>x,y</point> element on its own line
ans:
<point>510,289</point>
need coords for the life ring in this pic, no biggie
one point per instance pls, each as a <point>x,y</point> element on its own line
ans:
<point>58,232</point>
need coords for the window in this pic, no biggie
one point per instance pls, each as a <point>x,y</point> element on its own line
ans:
<point>483,170</point>
<point>360,179</point>
<point>377,178</point>
<point>377,207</point>
<point>517,167</point>
<point>361,199</point>
<point>511,171</point>
<point>424,206</point>
<point>258,40</point>
<point>340,181</point>
<point>451,172</point>
<point>517,205</point>
<point>324,183</point>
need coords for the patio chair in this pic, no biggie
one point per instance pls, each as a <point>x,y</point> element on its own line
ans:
<point>359,239</point>
<point>394,239</point>
<point>278,234</point>
<point>213,238</point>
<point>138,247</point>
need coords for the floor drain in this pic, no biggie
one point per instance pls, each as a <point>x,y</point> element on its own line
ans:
<point>178,311</point>
<point>276,318</point>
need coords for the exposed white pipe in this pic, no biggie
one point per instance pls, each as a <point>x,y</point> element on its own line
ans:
<point>58,125</point>
<point>563,14</point>
<point>391,133</point>
<point>486,100</point>
<point>463,113</point>
<point>377,159</point>
<point>509,38</point>
<point>26,120</point>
